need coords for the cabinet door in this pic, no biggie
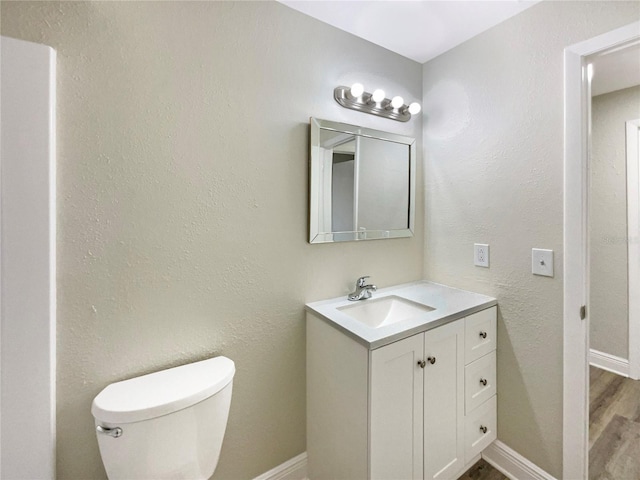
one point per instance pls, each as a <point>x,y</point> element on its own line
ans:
<point>396,410</point>
<point>444,401</point>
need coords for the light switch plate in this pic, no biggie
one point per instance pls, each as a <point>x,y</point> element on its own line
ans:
<point>481,254</point>
<point>542,262</point>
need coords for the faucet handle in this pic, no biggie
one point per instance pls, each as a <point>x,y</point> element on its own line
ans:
<point>362,280</point>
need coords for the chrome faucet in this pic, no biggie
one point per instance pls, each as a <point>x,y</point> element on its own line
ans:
<point>362,291</point>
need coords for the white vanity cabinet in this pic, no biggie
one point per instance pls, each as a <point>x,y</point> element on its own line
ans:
<point>417,405</point>
<point>422,407</point>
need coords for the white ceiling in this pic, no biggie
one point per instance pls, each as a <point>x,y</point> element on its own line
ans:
<point>417,29</point>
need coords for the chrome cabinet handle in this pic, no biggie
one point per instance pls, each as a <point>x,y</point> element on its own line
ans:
<point>483,382</point>
<point>112,432</point>
<point>422,363</point>
<point>483,334</point>
<point>483,429</point>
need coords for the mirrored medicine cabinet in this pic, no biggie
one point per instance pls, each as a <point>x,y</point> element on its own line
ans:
<point>362,183</point>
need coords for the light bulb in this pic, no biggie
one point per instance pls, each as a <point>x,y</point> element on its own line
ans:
<point>357,89</point>
<point>378,95</point>
<point>414,108</point>
<point>397,102</point>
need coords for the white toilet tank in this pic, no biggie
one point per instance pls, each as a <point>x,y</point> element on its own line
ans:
<point>165,425</point>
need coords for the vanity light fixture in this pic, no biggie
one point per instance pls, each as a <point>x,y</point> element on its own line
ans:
<point>414,108</point>
<point>356,90</point>
<point>378,95</point>
<point>375,103</point>
<point>397,102</point>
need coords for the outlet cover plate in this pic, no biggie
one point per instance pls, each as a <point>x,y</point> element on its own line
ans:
<point>542,262</point>
<point>481,254</point>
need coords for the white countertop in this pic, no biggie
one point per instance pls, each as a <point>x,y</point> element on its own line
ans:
<point>449,304</point>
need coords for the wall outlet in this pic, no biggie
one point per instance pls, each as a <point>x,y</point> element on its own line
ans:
<point>481,254</point>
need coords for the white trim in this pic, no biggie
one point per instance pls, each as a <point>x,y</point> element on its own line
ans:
<point>28,251</point>
<point>610,363</point>
<point>575,395</point>
<point>633,243</point>
<point>293,469</point>
<point>512,464</point>
<point>575,288</point>
<point>356,183</point>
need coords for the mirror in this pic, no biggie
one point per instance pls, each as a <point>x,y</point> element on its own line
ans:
<point>362,183</point>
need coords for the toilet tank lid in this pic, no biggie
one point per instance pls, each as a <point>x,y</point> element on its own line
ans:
<point>163,392</point>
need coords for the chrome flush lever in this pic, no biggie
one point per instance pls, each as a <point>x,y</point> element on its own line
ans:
<point>112,432</point>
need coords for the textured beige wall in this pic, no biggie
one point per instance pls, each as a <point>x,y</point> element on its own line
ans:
<point>182,207</point>
<point>493,150</point>
<point>609,300</point>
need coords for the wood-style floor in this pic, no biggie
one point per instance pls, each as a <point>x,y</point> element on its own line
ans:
<point>482,471</point>
<point>614,426</point>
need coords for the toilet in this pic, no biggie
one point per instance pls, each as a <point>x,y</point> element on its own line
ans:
<point>165,425</point>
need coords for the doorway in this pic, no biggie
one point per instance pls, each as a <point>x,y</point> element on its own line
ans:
<point>614,449</point>
<point>613,210</point>
<point>577,312</point>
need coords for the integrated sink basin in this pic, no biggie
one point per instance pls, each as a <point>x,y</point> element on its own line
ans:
<point>384,311</point>
<point>397,312</point>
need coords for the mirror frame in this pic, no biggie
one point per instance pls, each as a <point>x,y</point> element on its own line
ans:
<point>315,235</point>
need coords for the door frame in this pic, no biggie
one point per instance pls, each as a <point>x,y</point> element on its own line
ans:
<point>633,244</point>
<point>577,114</point>
<point>28,260</point>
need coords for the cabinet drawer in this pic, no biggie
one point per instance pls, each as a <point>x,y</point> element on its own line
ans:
<point>479,381</point>
<point>480,334</point>
<point>480,429</point>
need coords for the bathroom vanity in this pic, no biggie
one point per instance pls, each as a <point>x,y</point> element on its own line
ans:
<point>402,385</point>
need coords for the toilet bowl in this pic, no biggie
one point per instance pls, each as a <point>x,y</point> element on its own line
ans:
<point>165,425</point>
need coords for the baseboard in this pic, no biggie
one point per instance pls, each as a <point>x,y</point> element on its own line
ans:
<point>609,362</point>
<point>499,455</point>
<point>512,464</point>
<point>293,469</point>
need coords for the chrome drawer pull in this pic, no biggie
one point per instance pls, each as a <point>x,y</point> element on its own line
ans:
<point>483,334</point>
<point>483,382</point>
<point>431,360</point>
<point>422,363</point>
<point>483,429</point>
